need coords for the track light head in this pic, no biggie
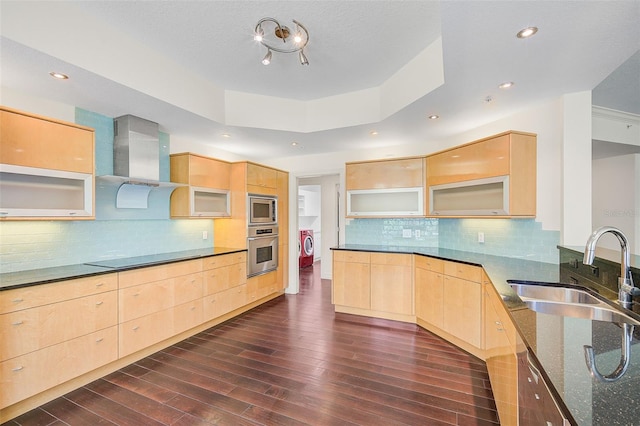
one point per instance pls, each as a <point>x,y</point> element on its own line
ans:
<point>267,58</point>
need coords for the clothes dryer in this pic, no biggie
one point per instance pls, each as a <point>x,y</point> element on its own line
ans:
<point>306,248</point>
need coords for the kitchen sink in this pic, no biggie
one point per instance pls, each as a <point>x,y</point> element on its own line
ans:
<point>576,310</point>
<point>568,302</point>
<point>554,294</point>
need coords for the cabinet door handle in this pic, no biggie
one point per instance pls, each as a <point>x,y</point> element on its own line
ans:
<point>18,368</point>
<point>99,303</point>
<point>136,295</point>
<point>17,322</point>
<point>99,284</point>
<point>136,328</point>
<point>99,340</point>
<point>18,300</point>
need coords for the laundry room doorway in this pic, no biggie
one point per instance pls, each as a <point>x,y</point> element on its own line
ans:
<point>318,205</point>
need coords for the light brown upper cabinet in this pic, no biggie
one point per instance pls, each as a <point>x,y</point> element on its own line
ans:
<point>385,188</point>
<point>46,168</point>
<point>260,177</point>
<point>207,193</point>
<point>491,177</point>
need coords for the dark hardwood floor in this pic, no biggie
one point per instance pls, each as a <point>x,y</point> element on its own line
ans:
<point>290,361</point>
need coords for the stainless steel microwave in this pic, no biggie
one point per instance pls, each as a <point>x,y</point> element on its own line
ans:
<point>263,209</point>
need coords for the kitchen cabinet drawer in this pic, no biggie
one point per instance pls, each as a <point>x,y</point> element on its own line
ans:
<point>38,295</point>
<point>144,299</point>
<point>261,286</point>
<point>223,260</point>
<point>187,288</point>
<point>351,256</point>
<point>391,259</point>
<point>463,271</point>
<point>145,331</point>
<point>224,302</point>
<point>429,263</point>
<point>158,273</point>
<point>29,374</point>
<point>28,330</point>
<point>224,277</point>
<point>187,316</point>
<point>141,300</point>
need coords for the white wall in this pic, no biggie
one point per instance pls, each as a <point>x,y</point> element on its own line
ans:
<point>616,198</point>
<point>576,171</point>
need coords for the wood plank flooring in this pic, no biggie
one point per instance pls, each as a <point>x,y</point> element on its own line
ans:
<point>291,361</point>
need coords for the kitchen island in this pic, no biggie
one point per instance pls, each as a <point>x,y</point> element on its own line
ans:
<point>553,346</point>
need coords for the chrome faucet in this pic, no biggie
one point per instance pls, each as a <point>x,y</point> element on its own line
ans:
<point>626,289</point>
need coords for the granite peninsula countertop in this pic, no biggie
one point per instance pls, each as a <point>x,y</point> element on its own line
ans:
<point>557,342</point>
<point>106,266</point>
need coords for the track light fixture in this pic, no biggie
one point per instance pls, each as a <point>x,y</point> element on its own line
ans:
<point>270,33</point>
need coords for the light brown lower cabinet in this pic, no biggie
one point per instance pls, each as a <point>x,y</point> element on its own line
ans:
<point>392,283</point>
<point>37,371</point>
<point>373,284</point>
<point>55,333</point>
<point>501,357</point>
<point>429,285</point>
<point>351,284</point>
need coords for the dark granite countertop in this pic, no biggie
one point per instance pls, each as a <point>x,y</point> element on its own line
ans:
<point>48,275</point>
<point>557,342</point>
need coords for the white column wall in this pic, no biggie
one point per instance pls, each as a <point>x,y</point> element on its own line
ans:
<point>576,169</point>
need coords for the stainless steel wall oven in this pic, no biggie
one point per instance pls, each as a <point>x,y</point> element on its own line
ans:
<point>263,249</point>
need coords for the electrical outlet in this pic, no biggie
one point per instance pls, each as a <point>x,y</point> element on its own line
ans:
<point>481,237</point>
<point>417,233</point>
<point>406,233</point>
<point>205,235</point>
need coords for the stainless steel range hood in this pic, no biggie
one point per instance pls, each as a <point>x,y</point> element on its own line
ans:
<point>136,161</point>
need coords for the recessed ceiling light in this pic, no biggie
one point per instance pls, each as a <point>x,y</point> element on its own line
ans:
<point>506,85</point>
<point>373,133</point>
<point>226,135</point>
<point>294,143</point>
<point>59,75</point>
<point>434,117</point>
<point>527,32</point>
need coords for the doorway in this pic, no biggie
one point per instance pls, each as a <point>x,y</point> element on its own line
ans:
<point>318,204</point>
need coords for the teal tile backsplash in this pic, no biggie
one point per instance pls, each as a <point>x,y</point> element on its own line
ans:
<point>26,245</point>
<point>522,238</point>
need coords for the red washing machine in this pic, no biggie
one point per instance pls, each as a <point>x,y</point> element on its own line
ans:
<point>305,248</point>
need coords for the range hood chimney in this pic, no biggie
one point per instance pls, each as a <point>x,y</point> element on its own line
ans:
<point>136,161</point>
<point>136,150</point>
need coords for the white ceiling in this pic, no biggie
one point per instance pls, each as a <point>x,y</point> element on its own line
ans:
<point>112,51</point>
